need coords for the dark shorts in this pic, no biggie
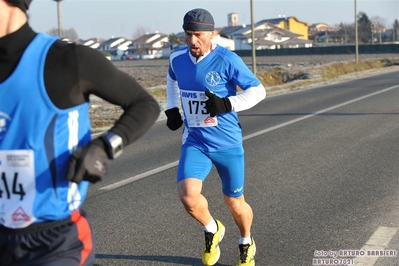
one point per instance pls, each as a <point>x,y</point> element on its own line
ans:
<point>68,242</point>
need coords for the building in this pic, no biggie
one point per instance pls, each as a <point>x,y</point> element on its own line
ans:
<point>116,47</point>
<point>269,34</point>
<point>232,19</point>
<point>323,33</point>
<point>291,24</point>
<point>149,46</point>
<point>92,43</point>
<point>282,32</point>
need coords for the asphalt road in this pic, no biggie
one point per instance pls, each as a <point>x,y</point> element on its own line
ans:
<point>322,177</point>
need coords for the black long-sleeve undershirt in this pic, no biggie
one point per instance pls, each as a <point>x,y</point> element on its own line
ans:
<point>73,72</point>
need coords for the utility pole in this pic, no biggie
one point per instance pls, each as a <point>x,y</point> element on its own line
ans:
<point>59,17</point>
<point>356,36</point>
<point>253,38</point>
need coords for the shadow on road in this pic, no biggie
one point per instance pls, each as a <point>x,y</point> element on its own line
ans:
<point>155,258</point>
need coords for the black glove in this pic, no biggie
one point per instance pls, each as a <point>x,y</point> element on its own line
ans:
<point>216,105</point>
<point>88,162</point>
<point>174,120</point>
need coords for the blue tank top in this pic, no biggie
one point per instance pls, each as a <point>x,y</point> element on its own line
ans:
<point>36,141</point>
<point>221,71</point>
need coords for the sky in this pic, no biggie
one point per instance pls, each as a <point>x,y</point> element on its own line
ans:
<point>105,19</point>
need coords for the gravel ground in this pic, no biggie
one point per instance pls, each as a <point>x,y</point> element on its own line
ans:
<point>152,75</point>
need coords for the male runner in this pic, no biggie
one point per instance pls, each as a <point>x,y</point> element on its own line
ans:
<point>47,156</point>
<point>205,76</point>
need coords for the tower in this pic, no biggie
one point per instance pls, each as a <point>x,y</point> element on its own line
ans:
<point>232,19</point>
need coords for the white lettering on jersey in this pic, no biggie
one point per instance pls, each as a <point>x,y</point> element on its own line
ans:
<point>73,126</point>
<point>74,197</point>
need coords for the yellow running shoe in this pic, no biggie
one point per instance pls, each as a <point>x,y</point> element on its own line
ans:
<point>246,254</point>
<point>211,251</point>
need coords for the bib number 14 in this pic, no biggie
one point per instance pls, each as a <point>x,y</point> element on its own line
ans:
<point>10,187</point>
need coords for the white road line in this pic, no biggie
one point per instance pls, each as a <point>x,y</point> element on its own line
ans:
<point>377,242</point>
<point>250,136</point>
<point>140,176</point>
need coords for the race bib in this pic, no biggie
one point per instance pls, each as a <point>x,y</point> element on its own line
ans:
<point>17,188</point>
<point>193,103</point>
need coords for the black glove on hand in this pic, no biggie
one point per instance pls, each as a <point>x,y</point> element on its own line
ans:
<point>174,120</point>
<point>88,162</point>
<point>216,105</point>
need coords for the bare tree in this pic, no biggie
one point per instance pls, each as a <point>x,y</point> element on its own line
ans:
<point>174,39</point>
<point>69,34</point>
<point>345,33</point>
<point>139,32</point>
<point>395,31</point>
<point>53,32</point>
<point>378,26</point>
<point>139,41</point>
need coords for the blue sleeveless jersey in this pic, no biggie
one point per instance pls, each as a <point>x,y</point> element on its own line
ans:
<point>221,71</point>
<point>36,141</point>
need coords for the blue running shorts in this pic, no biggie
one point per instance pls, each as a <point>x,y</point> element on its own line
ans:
<point>229,164</point>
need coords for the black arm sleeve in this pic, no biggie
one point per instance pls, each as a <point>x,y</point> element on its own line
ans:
<point>73,72</point>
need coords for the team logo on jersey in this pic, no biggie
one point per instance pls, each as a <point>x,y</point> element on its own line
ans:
<point>238,190</point>
<point>4,121</point>
<point>209,120</point>
<point>20,215</point>
<point>17,160</point>
<point>212,78</point>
